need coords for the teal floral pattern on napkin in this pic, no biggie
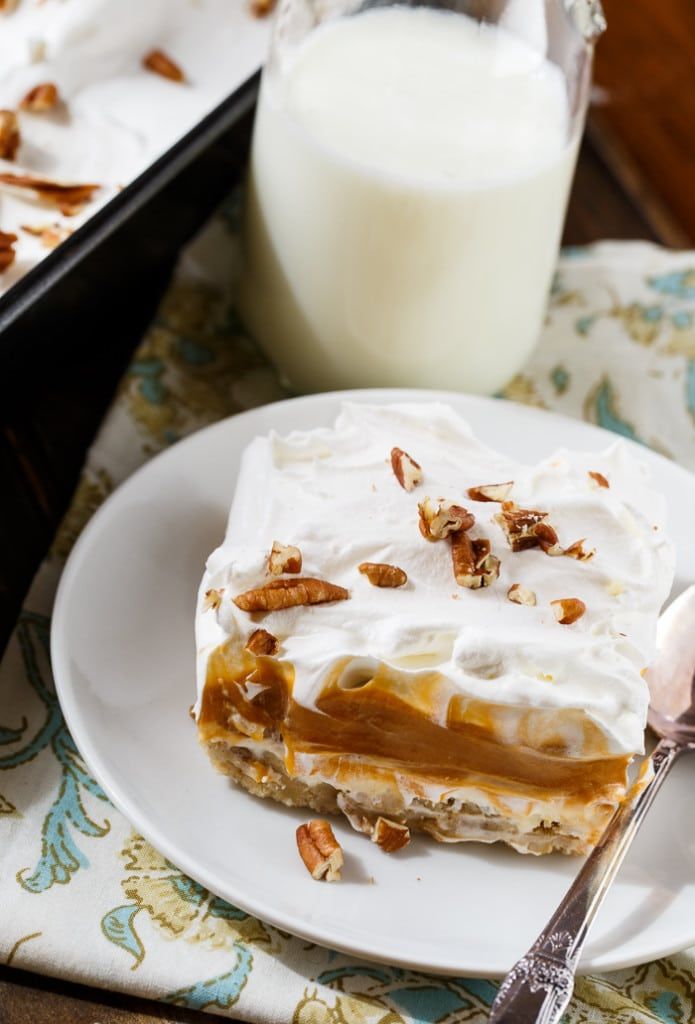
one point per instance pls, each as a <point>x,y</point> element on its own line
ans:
<point>85,897</point>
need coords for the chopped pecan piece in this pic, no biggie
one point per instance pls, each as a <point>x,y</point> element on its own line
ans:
<point>320,850</point>
<point>7,253</point>
<point>474,566</point>
<point>406,470</point>
<point>380,574</point>
<point>262,8</point>
<point>262,642</point>
<point>521,595</point>
<point>284,558</point>
<point>599,479</point>
<point>159,62</point>
<point>527,528</point>
<point>9,135</point>
<point>567,610</point>
<point>290,593</point>
<point>389,835</point>
<point>69,199</point>
<point>41,98</point>
<point>51,235</point>
<point>491,492</point>
<point>578,551</point>
<point>212,599</point>
<point>547,539</point>
<point>439,520</point>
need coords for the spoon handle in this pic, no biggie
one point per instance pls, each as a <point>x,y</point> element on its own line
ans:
<point>539,987</point>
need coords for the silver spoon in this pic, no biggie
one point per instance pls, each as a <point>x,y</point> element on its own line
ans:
<point>539,987</point>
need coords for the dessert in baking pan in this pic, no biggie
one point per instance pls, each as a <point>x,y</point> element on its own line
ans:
<point>92,92</point>
<point>404,625</point>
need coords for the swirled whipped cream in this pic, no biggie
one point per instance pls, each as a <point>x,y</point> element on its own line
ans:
<point>116,117</point>
<point>333,494</point>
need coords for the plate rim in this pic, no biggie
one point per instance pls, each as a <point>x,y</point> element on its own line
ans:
<point>604,962</point>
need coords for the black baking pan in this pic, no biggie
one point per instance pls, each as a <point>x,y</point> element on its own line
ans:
<point>132,240</point>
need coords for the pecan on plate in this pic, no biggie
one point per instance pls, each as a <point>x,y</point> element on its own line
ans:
<point>320,850</point>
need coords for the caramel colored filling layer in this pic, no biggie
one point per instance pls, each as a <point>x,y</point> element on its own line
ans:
<point>253,696</point>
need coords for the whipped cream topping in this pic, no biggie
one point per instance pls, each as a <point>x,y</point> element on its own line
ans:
<point>117,117</point>
<point>332,493</point>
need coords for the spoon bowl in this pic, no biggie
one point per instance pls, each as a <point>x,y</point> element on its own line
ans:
<point>671,679</point>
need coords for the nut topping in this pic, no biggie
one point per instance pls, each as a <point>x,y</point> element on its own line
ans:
<point>380,574</point>
<point>262,8</point>
<point>519,594</point>
<point>41,98</point>
<point>389,835</point>
<point>9,134</point>
<point>51,235</point>
<point>527,528</point>
<point>406,470</point>
<point>320,850</point>
<point>439,520</point>
<point>490,492</point>
<point>69,199</point>
<point>290,593</point>
<point>284,558</point>
<point>159,62</point>
<point>578,551</point>
<point>599,479</point>
<point>212,599</point>
<point>547,539</point>
<point>262,642</point>
<point>567,610</point>
<point>474,566</point>
<point>7,253</point>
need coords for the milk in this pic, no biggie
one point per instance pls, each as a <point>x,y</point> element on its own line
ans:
<point>408,182</point>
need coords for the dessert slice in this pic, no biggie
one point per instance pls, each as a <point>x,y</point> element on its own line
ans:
<point>402,624</point>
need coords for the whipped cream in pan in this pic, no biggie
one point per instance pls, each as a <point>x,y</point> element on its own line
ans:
<point>332,493</point>
<point>116,117</point>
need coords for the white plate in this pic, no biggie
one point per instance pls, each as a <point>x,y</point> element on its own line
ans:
<point>123,655</point>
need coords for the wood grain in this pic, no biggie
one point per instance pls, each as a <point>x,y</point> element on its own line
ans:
<point>645,111</point>
<point>30,999</point>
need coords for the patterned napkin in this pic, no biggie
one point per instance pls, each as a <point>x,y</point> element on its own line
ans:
<point>82,895</point>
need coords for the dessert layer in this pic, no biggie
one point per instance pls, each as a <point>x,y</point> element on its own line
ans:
<point>469,661</point>
<point>115,117</point>
<point>468,814</point>
<point>383,732</point>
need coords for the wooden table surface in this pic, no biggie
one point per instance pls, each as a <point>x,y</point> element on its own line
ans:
<point>634,180</point>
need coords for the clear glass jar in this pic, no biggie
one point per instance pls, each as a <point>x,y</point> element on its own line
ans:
<point>409,177</point>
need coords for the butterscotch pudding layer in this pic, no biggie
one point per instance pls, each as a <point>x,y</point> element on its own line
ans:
<point>402,623</point>
<point>366,751</point>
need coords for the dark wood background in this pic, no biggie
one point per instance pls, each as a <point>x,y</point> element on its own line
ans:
<point>636,179</point>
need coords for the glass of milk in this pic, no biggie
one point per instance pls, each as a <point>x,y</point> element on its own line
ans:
<point>409,177</point>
